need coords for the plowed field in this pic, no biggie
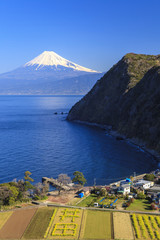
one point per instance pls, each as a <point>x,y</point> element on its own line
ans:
<point>17,223</point>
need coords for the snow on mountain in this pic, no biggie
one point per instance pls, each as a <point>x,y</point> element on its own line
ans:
<point>50,58</point>
<point>48,73</point>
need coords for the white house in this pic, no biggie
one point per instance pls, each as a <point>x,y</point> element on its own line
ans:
<point>143,183</point>
<point>124,188</point>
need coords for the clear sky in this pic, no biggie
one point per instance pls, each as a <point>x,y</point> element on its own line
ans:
<point>92,33</point>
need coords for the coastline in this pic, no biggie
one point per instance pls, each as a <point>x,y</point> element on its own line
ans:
<point>136,142</point>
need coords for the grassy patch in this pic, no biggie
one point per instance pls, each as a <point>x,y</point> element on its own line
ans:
<point>74,201</point>
<point>98,225</point>
<point>140,205</point>
<point>39,224</point>
<point>88,201</point>
<point>4,216</point>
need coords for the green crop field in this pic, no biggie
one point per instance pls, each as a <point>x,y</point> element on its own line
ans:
<point>39,224</point>
<point>98,225</point>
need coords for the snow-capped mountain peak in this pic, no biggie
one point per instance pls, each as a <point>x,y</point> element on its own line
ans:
<point>50,58</point>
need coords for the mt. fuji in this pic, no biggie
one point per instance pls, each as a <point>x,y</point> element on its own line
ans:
<point>49,58</point>
<point>49,73</point>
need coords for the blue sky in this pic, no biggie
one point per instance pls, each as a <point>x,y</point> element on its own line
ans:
<point>92,33</point>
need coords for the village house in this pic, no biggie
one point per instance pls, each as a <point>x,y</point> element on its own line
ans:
<point>144,184</point>
<point>155,189</point>
<point>124,188</point>
<point>86,190</point>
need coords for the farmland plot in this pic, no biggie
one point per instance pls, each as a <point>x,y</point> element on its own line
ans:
<point>39,224</point>
<point>98,225</point>
<point>65,224</point>
<point>122,226</point>
<point>4,216</point>
<point>146,226</point>
<point>16,224</point>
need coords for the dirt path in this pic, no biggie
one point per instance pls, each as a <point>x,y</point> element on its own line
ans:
<point>62,198</point>
<point>17,223</point>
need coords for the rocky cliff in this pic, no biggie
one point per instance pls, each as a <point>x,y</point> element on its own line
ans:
<point>127,98</point>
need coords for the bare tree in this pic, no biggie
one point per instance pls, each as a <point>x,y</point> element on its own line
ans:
<point>41,189</point>
<point>63,179</point>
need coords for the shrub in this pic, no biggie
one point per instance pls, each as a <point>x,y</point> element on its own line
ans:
<point>36,197</point>
<point>149,177</point>
<point>153,206</point>
<point>141,195</point>
<point>128,204</point>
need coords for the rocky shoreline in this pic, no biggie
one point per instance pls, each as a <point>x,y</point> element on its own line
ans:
<point>118,136</point>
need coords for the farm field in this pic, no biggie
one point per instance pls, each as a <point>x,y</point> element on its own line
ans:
<point>140,205</point>
<point>39,224</point>
<point>98,225</point>
<point>122,226</point>
<point>17,223</point>
<point>65,224</point>
<point>146,226</point>
<point>4,216</point>
<point>89,201</point>
<point>71,223</point>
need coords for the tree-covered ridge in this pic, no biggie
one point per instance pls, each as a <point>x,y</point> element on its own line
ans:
<point>127,98</point>
<point>138,65</point>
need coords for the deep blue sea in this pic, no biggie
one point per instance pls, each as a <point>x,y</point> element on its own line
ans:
<point>33,138</point>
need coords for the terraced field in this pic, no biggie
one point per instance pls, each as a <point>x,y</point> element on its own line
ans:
<point>70,223</point>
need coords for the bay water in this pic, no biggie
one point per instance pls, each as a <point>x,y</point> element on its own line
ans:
<point>33,138</point>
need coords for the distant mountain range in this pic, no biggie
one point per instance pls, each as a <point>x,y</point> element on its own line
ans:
<point>49,73</point>
<point>126,98</point>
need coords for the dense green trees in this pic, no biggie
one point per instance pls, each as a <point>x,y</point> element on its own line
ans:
<point>16,191</point>
<point>149,177</point>
<point>79,178</point>
<point>9,193</point>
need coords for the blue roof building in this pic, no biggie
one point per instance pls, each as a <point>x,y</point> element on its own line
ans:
<point>80,195</point>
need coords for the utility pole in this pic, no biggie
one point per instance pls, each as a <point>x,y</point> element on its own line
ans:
<point>94,181</point>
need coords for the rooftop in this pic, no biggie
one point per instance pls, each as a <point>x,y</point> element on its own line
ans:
<point>141,181</point>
